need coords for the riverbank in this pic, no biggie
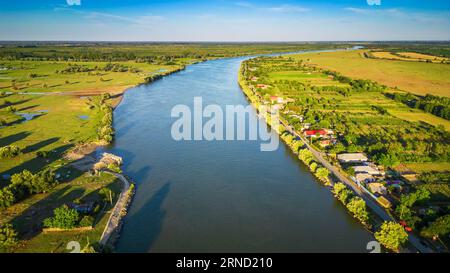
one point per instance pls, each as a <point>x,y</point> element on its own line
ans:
<point>302,85</point>
<point>112,229</point>
<point>325,177</point>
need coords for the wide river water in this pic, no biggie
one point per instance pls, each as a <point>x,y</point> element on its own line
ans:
<point>218,196</point>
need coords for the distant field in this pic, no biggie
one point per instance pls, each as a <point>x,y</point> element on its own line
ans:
<point>318,79</point>
<point>41,76</point>
<point>417,115</point>
<point>388,55</point>
<point>421,56</point>
<point>429,167</point>
<point>416,77</point>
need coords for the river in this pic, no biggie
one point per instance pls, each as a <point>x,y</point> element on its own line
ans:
<point>218,196</point>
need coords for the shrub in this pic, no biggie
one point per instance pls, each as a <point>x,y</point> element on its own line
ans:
<point>64,218</point>
<point>87,221</point>
<point>8,236</point>
<point>7,198</point>
<point>9,151</point>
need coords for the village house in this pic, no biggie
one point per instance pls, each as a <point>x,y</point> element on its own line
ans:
<point>316,133</point>
<point>367,169</point>
<point>364,178</point>
<point>377,188</point>
<point>306,126</point>
<point>83,208</point>
<point>352,158</point>
<point>262,86</point>
<point>254,79</point>
<point>325,143</point>
<point>275,99</point>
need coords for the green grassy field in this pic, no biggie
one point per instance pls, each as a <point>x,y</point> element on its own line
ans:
<point>41,76</point>
<point>429,167</point>
<point>27,216</point>
<point>416,77</point>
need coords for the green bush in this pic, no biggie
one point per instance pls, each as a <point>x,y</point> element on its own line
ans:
<point>9,151</point>
<point>87,221</point>
<point>8,237</point>
<point>64,218</point>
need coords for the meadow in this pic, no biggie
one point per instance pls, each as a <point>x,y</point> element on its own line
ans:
<point>420,78</point>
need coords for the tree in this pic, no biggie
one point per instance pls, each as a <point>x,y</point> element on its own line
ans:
<point>391,235</point>
<point>440,227</point>
<point>313,166</point>
<point>9,151</point>
<point>8,236</point>
<point>407,201</point>
<point>7,198</point>
<point>338,187</point>
<point>357,206</point>
<point>322,173</point>
<point>64,218</point>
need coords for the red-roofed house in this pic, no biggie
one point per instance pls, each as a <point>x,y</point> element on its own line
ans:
<point>315,133</point>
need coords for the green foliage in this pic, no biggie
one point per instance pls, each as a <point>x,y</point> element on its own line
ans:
<point>322,173</point>
<point>440,227</point>
<point>64,218</point>
<point>407,201</point>
<point>358,207</point>
<point>313,167</point>
<point>391,235</point>
<point>387,160</point>
<point>7,197</point>
<point>438,106</point>
<point>306,156</point>
<point>86,221</point>
<point>106,130</point>
<point>8,237</point>
<point>9,151</point>
<point>342,192</point>
<point>24,184</point>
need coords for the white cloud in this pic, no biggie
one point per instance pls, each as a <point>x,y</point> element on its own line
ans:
<point>281,8</point>
<point>287,8</point>
<point>73,2</point>
<point>374,2</point>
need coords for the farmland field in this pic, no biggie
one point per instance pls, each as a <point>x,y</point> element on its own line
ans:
<point>415,77</point>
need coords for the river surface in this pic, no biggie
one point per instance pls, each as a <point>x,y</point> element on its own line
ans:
<point>218,196</point>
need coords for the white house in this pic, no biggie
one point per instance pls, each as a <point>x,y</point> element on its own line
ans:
<point>364,177</point>
<point>366,169</point>
<point>352,158</point>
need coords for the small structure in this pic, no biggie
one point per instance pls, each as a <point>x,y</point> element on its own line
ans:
<point>364,177</point>
<point>325,143</point>
<point>366,169</point>
<point>315,133</point>
<point>254,79</point>
<point>384,202</point>
<point>306,126</point>
<point>106,160</point>
<point>300,118</point>
<point>377,188</point>
<point>85,208</point>
<point>352,158</point>
<point>275,99</point>
<point>262,86</point>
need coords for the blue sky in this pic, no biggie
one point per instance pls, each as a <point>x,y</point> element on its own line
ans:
<point>224,20</point>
